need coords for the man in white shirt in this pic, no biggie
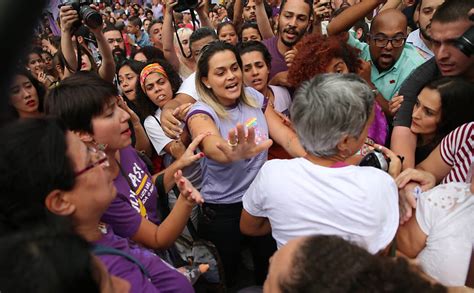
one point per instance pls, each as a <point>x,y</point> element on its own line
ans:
<point>420,38</point>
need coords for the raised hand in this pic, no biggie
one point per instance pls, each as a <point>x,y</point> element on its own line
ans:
<point>395,104</point>
<point>122,104</point>
<point>181,112</point>
<point>408,181</point>
<point>290,56</point>
<point>240,146</point>
<point>187,190</point>
<point>322,9</point>
<point>188,156</point>
<point>170,123</point>
<point>68,16</point>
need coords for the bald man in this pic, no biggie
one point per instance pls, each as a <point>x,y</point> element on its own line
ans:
<point>391,58</point>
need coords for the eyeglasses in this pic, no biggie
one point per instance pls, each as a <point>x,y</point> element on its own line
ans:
<point>382,42</point>
<point>98,158</point>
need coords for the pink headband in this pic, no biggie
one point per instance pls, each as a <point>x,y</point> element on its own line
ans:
<point>149,69</point>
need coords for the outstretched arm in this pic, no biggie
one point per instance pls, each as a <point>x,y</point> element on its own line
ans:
<point>263,22</point>
<point>351,15</point>
<point>238,146</point>
<point>168,45</point>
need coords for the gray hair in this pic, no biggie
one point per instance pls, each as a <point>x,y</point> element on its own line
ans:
<point>328,107</point>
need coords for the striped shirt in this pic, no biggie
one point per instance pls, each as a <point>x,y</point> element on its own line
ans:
<point>457,150</point>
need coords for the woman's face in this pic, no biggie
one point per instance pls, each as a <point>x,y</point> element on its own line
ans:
<point>86,64</point>
<point>35,64</point>
<point>251,34</point>
<point>111,127</point>
<point>146,24</point>
<point>94,188</point>
<point>337,65</point>
<point>127,81</point>
<point>24,97</point>
<point>158,89</point>
<point>224,77</point>
<point>255,70</point>
<point>426,113</point>
<point>48,61</point>
<point>228,35</point>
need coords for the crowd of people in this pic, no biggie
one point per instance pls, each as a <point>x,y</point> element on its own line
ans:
<point>324,146</point>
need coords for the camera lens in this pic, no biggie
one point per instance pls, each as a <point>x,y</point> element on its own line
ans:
<point>91,17</point>
<point>465,43</point>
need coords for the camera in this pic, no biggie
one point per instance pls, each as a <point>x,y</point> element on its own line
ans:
<point>375,159</point>
<point>185,5</point>
<point>465,43</point>
<point>91,18</point>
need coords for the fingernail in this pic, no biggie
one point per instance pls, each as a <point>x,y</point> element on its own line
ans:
<point>202,155</point>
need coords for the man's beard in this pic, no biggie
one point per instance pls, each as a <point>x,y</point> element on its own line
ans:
<point>424,32</point>
<point>290,44</point>
<point>119,55</point>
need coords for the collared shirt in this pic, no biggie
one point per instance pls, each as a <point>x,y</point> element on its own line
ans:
<point>388,82</point>
<point>143,41</point>
<point>414,38</point>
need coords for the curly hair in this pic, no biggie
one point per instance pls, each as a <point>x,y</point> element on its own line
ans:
<point>145,106</point>
<point>315,52</point>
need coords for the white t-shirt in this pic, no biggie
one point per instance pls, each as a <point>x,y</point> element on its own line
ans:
<point>188,87</point>
<point>282,99</point>
<point>359,204</point>
<point>446,214</point>
<point>159,140</point>
<point>155,133</point>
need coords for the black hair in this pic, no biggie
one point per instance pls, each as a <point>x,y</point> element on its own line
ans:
<point>202,33</point>
<point>221,25</point>
<point>309,2</point>
<point>456,104</point>
<point>150,53</point>
<point>331,264</point>
<point>79,98</point>
<point>453,10</point>
<point>135,20</point>
<point>136,66</point>
<point>35,50</point>
<point>252,46</point>
<point>266,5</point>
<point>361,24</point>
<point>44,261</point>
<point>247,25</point>
<point>111,27</point>
<point>145,106</point>
<point>33,162</point>
<point>40,90</point>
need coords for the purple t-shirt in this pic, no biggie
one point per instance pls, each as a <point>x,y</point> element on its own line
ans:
<point>125,212</point>
<point>278,60</point>
<point>227,183</point>
<point>163,277</point>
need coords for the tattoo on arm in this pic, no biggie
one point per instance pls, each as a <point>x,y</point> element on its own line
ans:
<point>199,115</point>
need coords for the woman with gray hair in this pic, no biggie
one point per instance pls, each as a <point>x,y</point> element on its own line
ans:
<point>319,193</point>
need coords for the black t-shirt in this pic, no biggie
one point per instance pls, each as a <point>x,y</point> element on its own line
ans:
<point>410,89</point>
